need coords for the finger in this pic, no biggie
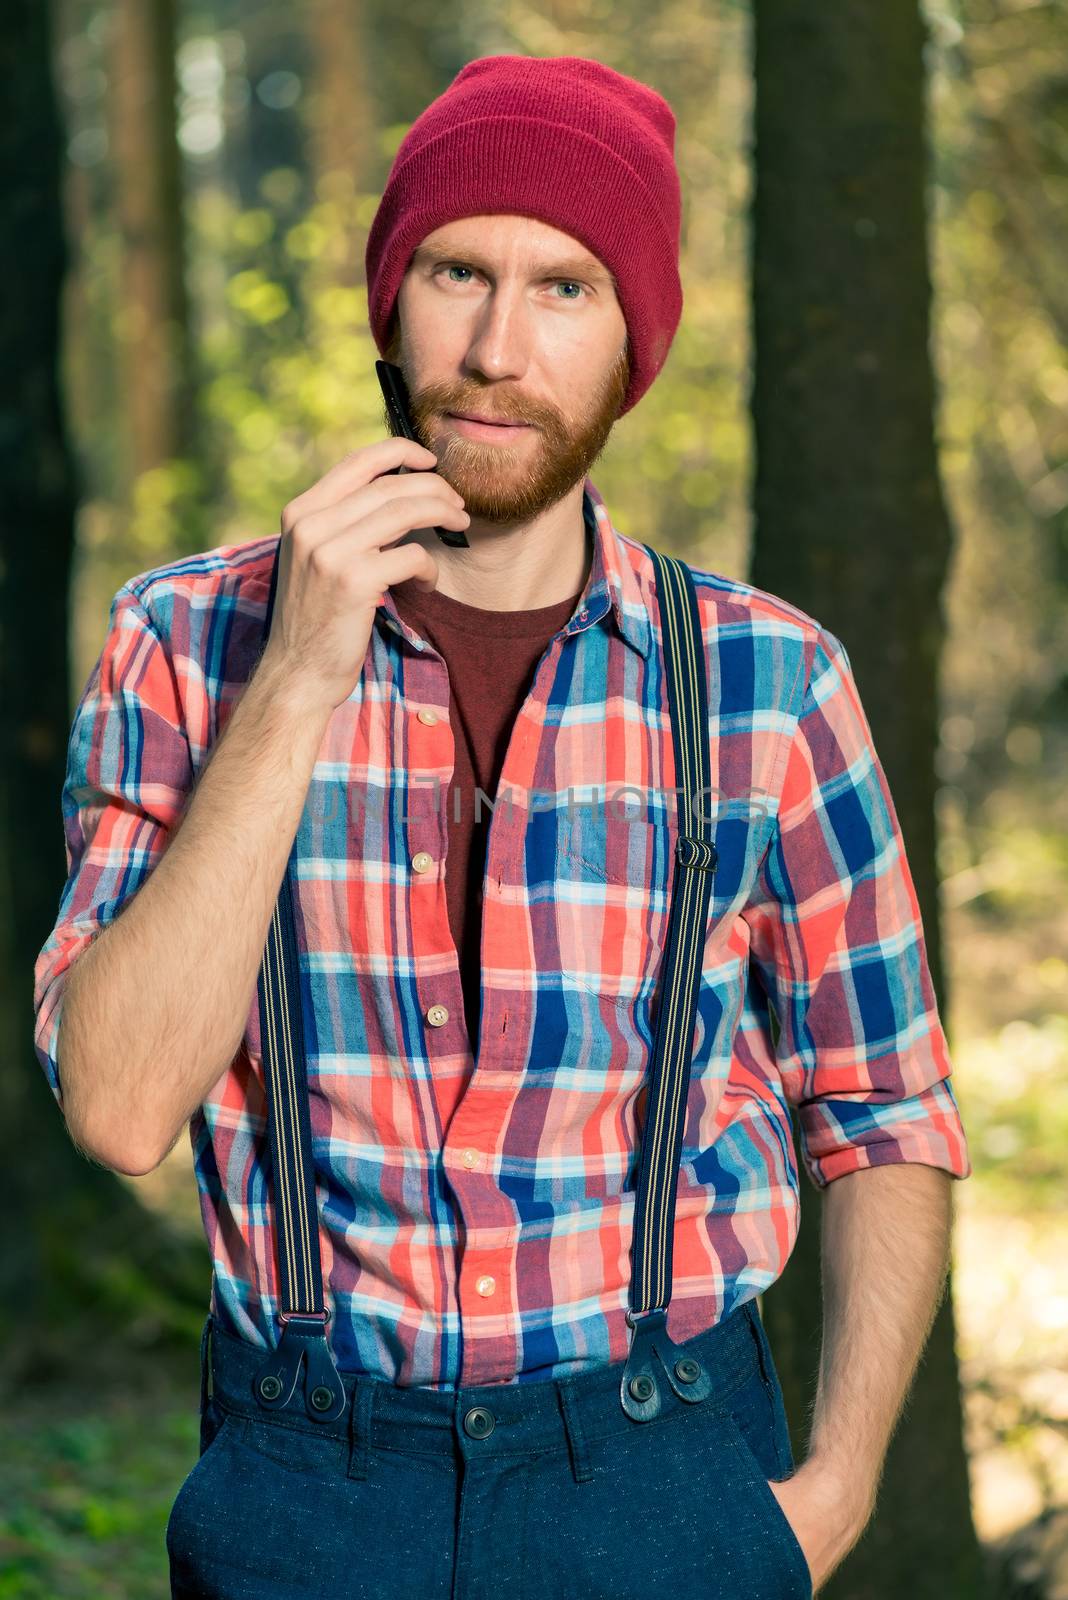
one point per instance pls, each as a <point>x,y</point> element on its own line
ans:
<point>409,561</point>
<point>366,522</point>
<point>391,491</point>
<point>378,530</point>
<point>359,468</point>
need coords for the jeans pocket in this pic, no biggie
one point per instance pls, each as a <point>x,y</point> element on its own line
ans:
<point>298,1450</point>
<point>217,1429</point>
<point>750,1427</point>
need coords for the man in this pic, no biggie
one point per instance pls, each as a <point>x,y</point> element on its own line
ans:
<point>417,1139</point>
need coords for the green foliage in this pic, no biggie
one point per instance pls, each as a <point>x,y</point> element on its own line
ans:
<point>85,1497</point>
<point>1013,1085</point>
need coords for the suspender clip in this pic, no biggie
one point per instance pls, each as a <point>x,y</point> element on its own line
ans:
<point>654,1357</point>
<point>303,1344</point>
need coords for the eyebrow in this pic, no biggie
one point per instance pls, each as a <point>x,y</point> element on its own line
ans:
<point>571,267</point>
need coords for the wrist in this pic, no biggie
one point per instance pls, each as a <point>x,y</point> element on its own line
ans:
<point>840,1484</point>
<point>287,694</point>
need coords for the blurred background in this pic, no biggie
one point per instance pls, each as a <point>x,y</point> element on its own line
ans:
<point>865,411</point>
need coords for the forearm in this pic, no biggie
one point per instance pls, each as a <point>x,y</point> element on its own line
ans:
<point>885,1252</point>
<point>155,1008</point>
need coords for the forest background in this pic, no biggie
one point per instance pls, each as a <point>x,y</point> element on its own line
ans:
<point>865,410</point>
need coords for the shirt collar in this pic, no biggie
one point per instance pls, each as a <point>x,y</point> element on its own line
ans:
<point>613,586</point>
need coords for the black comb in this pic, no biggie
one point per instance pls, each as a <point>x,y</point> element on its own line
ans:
<point>395,393</point>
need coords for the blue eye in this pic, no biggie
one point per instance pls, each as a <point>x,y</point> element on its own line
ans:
<point>557,282</point>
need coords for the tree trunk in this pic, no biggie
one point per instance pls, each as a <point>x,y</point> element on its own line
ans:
<point>79,1257</point>
<point>343,133</point>
<point>850,524</point>
<point>153,319</point>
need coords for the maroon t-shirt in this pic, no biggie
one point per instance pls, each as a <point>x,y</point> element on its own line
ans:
<point>491,658</point>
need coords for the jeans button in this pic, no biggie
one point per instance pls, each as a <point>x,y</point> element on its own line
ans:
<point>479,1422</point>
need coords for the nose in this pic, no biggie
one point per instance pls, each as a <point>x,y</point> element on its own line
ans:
<point>500,342</point>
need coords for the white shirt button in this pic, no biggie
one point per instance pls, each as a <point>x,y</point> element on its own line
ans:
<point>470,1158</point>
<point>437,1016</point>
<point>429,717</point>
<point>422,861</point>
<point>486,1285</point>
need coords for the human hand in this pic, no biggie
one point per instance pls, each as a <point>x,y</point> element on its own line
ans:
<point>342,546</point>
<point>827,1514</point>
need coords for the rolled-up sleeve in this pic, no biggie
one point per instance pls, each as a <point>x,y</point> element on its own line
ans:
<point>128,777</point>
<point>837,939</point>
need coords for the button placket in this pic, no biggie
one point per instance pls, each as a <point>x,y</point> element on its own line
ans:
<point>423,861</point>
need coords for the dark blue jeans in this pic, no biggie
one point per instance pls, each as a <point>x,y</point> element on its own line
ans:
<point>565,1495</point>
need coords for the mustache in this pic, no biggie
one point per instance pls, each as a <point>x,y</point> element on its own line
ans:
<point>438,400</point>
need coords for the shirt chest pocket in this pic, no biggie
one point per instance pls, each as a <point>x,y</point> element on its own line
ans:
<point>613,890</point>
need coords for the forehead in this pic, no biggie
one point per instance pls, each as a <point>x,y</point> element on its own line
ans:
<point>508,235</point>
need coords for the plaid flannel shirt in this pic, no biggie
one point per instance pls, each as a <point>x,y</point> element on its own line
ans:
<point>476,1197</point>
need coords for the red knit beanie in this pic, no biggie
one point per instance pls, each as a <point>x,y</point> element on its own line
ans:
<point>560,138</point>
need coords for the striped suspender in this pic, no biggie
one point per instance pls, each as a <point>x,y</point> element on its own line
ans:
<point>285,1071</point>
<point>669,1072</point>
<point>302,1314</point>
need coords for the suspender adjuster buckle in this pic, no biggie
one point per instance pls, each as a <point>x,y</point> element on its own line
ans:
<point>699,853</point>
